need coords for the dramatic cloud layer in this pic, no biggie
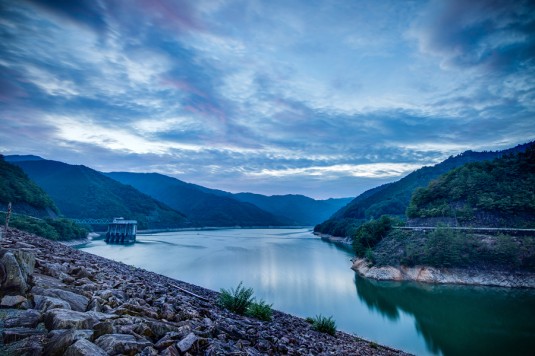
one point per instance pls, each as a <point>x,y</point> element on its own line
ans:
<point>324,98</point>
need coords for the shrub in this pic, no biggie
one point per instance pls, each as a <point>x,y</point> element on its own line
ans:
<point>324,324</point>
<point>236,300</point>
<point>260,310</point>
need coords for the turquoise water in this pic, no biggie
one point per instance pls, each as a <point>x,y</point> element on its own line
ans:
<point>305,276</point>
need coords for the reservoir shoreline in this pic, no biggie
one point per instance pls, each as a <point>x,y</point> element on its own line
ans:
<point>108,306</point>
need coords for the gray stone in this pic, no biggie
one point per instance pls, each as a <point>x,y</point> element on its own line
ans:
<point>26,260</point>
<point>13,277</point>
<point>30,346</point>
<point>44,303</point>
<point>170,351</point>
<point>102,328</point>
<point>77,302</point>
<point>187,343</point>
<point>42,281</point>
<point>28,318</point>
<point>84,347</point>
<point>58,342</point>
<point>16,334</point>
<point>10,301</point>
<point>67,319</point>
<point>121,344</point>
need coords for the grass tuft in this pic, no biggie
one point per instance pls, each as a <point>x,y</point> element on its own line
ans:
<point>260,310</point>
<point>324,324</point>
<point>236,300</point>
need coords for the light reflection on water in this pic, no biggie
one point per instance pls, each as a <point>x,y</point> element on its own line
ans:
<point>305,276</point>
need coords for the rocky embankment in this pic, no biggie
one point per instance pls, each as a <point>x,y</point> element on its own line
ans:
<point>444,275</point>
<point>59,301</point>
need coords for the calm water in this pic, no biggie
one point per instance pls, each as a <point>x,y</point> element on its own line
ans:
<point>305,276</point>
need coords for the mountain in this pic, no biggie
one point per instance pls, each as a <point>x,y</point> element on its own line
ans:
<point>26,197</point>
<point>81,192</point>
<point>299,208</point>
<point>393,198</point>
<point>202,207</point>
<point>497,193</point>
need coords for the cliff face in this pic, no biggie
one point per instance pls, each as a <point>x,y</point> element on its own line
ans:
<point>445,275</point>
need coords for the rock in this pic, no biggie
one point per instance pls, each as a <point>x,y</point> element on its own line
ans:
<point>42,281</point>
<point>67,319</point>
<point>10,335</point>
<point>149,351</point>
<point>170,351</point>
<point>44,303</point>
<point>84,347</point>
<point>58,342</point>
<point>121,344</point>
<point>29,346</point>
<point>187,343</point>
<point>26,260</point>
<point>10,301</point>
<point>102,328</point>
<point>76,301</point>
<point>13,278</point>
<point>28,318</point>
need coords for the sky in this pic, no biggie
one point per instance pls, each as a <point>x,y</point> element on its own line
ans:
<point>322,98</point>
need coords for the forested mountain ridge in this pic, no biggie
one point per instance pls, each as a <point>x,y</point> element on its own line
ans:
<point>81,192</point>
<point>202,207</point>
<point>25,196</point>
<point>497,193</point>
<point>393,198</point>
<point>299,208</point>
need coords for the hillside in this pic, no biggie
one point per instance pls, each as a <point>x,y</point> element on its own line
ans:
<point>393,198</point>
<point>497,193</point>
<point>26,196</point>
<point>81,192</point>
<point>299,208</point>
<point>201,207</point>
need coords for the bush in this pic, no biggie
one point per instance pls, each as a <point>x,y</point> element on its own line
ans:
<point>260,310</point>
<point>324,324</point>
<point>236,300</point>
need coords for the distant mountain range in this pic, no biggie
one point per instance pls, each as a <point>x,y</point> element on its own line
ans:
<point>159,201</point>
<point>81,192</point>
<point>393,198</point>
<point>212,207</point>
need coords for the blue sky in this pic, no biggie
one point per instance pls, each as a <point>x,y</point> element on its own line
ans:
<point>322,98</point>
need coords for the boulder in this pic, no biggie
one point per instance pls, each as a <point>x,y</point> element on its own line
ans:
<point>121,344</point>
<point>76,301</point>
<point>170,351</point>
<point>84,347</point>
<point>44,303</point>
<point>30,346</point>
<point>13,278</point>
<point>28,318</point>
<point>10,301</point>
<point>67,319</point>
<point>58,342</point>
<point>10,335</point>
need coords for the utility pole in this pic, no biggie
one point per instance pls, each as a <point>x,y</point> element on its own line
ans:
<point>8,215</point>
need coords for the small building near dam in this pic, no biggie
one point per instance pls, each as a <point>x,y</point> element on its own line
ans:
<point>121,231</point>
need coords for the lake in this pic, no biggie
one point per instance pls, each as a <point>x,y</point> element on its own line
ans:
<point>303,275</point>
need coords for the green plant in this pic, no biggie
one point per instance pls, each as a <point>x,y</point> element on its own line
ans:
<point>324,324</point>
<point>309,320</point>
<point>260,310</point>
<point>236,300</point>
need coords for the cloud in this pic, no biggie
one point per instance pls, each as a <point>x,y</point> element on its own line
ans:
<point>496,35</point>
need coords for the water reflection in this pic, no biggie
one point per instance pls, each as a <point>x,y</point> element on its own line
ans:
<point>457,320</point>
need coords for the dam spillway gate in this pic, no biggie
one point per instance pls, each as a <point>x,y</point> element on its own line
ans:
<point>121,231</point>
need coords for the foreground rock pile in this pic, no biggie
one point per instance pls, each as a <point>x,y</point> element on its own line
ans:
<point>59,301</point>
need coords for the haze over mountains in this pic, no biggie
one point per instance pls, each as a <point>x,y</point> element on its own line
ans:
<point>159,201</point>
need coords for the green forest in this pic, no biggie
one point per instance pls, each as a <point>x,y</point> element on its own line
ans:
<point>498,193</point>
